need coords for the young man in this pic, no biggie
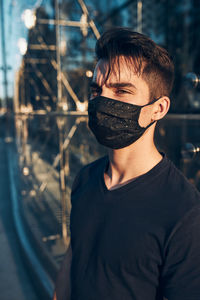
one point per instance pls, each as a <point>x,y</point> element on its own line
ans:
<point>135,220</point>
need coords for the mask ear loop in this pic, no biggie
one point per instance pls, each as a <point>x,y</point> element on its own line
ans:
<point>153,101</point>
<point>149,124</point>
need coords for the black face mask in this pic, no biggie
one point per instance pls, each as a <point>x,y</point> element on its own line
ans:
<point>115,123</point>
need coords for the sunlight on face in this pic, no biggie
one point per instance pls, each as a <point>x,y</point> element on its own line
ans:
<point>123,83</point>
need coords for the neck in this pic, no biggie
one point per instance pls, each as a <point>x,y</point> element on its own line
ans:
<point>128,163</point>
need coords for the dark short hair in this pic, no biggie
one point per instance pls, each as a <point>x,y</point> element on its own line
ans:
<point>147,58</point>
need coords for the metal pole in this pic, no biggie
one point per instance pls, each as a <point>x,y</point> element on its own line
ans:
<point>63,186</point>
<point>59,82</point>
<point>139,16</point>
<point>60,128</point>
<point>3,46</point>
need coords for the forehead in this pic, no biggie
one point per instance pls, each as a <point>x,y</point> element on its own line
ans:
<point>122,70</point>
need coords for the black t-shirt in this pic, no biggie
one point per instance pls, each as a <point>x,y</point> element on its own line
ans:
<point>140,241</point>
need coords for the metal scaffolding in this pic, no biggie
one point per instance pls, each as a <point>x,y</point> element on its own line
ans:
<point>24,111</point>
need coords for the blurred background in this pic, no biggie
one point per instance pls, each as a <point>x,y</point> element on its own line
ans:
<point>46,65</point>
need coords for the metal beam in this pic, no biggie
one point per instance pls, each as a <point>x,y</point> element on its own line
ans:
<point>60,22</point>
<point>42,112</point>
<point>36,60</point>
<point>39,47</point>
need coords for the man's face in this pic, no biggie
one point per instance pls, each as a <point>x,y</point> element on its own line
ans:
<point>125,86</point>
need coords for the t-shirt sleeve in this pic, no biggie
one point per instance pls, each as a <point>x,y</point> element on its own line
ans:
<point>181,270</point>
<point>78,180</point>
<point>75,183</point>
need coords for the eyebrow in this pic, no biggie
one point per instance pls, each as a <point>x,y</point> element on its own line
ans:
<point>114,85</point>
<point>121,85</point>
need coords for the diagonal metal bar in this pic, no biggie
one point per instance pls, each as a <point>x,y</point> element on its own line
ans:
<point>64,147</point>
<point>33,83</point>
<point>114,12</point>
<point>43,80</point>
<point>91,22</point>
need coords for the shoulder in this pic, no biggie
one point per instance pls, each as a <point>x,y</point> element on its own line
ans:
<point>176,196</point>
<point>182,191</point>
<point>179,205</point>
<point>92,170</point>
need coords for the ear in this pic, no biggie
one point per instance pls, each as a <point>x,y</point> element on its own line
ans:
<point>160,108</point>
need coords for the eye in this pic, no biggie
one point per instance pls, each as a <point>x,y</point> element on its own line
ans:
<point>121,92</point>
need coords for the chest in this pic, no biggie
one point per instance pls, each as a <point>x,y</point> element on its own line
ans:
<point>119,235</point>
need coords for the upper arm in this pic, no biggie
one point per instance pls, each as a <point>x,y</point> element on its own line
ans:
<point>181,271</point>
